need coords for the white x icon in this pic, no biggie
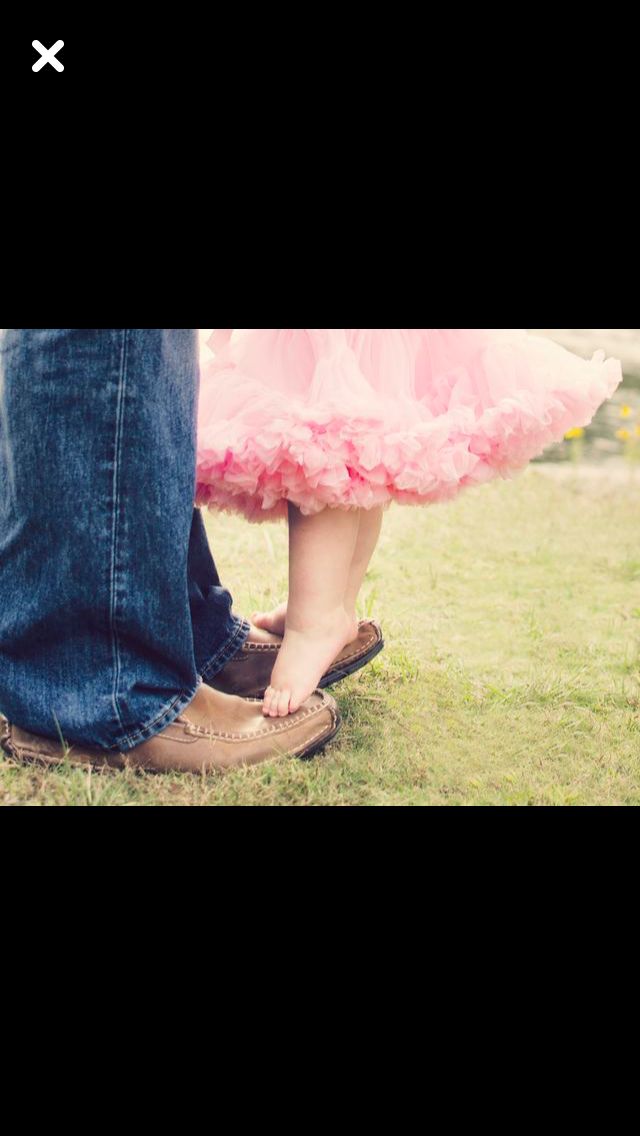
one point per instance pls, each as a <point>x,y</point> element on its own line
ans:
<point>48,55</point>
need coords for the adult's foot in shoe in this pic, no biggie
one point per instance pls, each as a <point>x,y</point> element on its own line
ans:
<point>215,733</point>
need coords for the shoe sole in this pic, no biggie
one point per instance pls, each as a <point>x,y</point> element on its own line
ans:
<point>311,754</point>
<point>337,676</point>
<point>334,677</point>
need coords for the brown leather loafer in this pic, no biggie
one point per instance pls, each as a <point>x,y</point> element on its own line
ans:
<point>249,673</point>
<point>240,735</point>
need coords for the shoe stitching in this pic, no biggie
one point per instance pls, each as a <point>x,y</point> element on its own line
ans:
<point>358,654</point>
<point>273,647</point>
<point>281,730</point>
<point>316,738</point>
<point>35,756</point>
<point>191,730</point>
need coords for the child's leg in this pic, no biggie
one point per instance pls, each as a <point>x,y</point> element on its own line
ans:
<point>366,544</point>
<point>318,627</point>
<point>370,525</point>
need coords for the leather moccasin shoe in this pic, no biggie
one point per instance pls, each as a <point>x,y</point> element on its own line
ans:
<point>248,674</point>
<point>217,732</point>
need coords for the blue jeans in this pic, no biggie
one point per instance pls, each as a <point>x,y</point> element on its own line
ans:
<point>111,609</point>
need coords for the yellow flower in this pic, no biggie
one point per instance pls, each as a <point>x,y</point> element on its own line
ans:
<point>576,432</point>
<point>626,412</point>
<point>623,435</point>
<point>637,431</point>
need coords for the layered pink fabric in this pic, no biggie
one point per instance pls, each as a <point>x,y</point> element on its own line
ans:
<point>359,417</point>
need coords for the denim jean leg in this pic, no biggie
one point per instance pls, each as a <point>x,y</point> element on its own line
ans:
<point>97,479</point>
<point>218,634</point>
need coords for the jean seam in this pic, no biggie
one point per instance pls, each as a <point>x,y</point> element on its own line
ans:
<point>230,648</point>
<point>5,435</point>
<point>115,535</point>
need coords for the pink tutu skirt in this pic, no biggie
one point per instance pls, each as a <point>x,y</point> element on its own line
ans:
<point>360,417</point>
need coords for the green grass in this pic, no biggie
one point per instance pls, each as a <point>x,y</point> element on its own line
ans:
<point>512,674</point>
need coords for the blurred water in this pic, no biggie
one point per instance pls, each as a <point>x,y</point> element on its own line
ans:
<point>600,442</point>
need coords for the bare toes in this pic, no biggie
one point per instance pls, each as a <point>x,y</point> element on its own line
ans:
<point>284,703</point>
<point>268,699</point>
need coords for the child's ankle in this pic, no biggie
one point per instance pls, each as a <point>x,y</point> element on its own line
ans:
<point>313,619</point>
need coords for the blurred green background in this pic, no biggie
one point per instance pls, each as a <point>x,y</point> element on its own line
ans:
<point>615,432</point>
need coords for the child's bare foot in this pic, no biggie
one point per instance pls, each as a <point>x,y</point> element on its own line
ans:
<point>307,652</point>
<point>273,621</point>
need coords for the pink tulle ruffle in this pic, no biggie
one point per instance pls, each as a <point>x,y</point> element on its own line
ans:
<point>358,418</point>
